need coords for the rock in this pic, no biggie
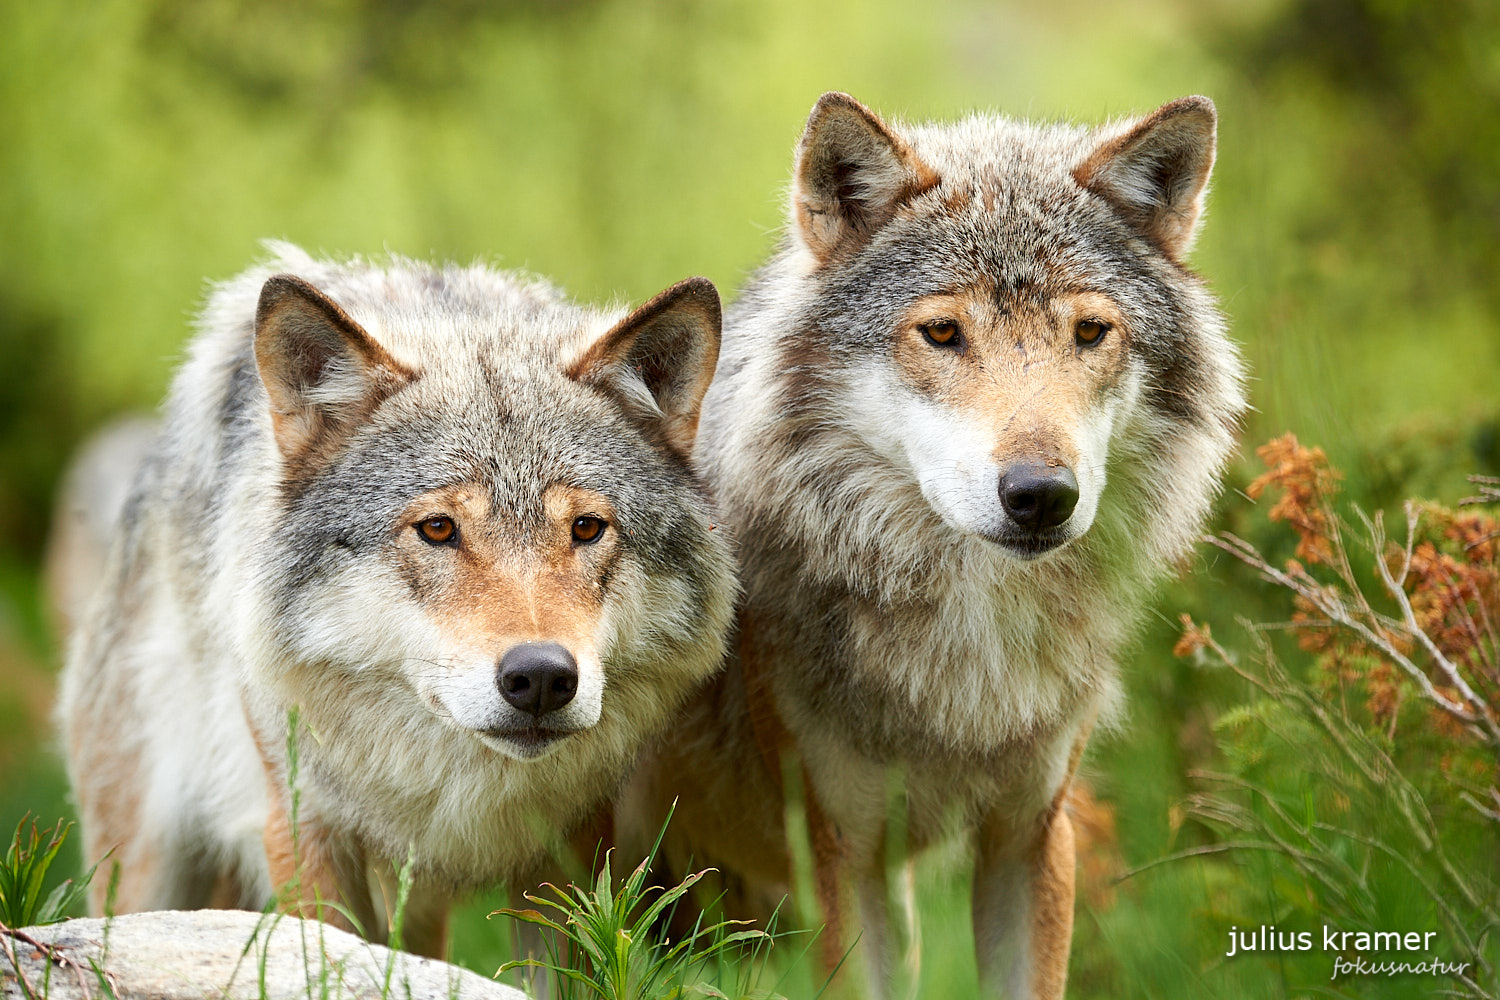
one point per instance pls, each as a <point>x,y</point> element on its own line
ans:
<point>223,953</point>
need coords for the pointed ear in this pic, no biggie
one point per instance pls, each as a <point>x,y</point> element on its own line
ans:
<point>852,174</point>
<point>661,358</point>
<point>322,371</point>
<point>1155,174</point>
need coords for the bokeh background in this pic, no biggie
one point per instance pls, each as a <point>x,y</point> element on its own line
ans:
<point>146,146</point>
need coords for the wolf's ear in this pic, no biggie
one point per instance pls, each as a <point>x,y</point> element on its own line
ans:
<point>322,371</point>
<point>1155,174</point>
<point>661,358</point>
<point>852,174</point>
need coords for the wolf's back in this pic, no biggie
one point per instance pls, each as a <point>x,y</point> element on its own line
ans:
<point>93,494</point>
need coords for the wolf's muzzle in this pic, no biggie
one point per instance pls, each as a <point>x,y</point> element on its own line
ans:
<point>1037,496</point>
<point>538,677</point>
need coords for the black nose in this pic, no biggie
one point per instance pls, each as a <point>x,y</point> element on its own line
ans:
<point>538,677</point>
<point>1038,496</point>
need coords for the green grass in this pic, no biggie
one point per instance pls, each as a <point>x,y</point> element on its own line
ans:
<point>24,898</point>
<point>606,942</point>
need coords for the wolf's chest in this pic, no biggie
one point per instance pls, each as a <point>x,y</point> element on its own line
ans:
<point>467,816</point>
<point>969,675</point>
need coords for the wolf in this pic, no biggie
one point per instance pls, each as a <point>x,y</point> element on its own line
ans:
<point>443,518</point>
<point>971,410</point>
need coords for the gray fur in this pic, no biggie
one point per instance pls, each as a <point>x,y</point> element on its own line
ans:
<point>243,584</point>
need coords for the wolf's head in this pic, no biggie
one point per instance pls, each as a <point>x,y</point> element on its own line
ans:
<point>998,310</point>
<point>484,496</point>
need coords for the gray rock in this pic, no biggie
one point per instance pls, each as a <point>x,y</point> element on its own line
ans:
<point>223,953</point>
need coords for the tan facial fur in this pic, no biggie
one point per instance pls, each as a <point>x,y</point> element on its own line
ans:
<point>486,594</point>
<point>1005,385</point>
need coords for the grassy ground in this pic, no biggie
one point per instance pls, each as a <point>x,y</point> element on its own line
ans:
<point>618,146</point>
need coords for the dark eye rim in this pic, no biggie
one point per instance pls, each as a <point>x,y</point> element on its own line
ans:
<point>1104,329</point>
<point>451,540</point>
<point>953,343</point>
<point>598,533</point>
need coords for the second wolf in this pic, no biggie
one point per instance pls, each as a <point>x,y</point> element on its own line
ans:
<point>966,416</point>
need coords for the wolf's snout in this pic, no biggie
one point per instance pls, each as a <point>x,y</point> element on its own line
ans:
<point>538,677</point>
<point>1038,496</point>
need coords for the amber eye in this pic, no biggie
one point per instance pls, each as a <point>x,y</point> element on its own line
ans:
<point>942,333</point>
<point>1089,331</point>
<point>438,531</point>
<point>587,529</point>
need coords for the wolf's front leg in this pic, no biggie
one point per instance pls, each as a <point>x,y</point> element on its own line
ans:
<point>889,932</point>
<point>1023,910</point>
<point>424,927</point>
<point>423,918</point>
<point>829,865</point>
<point>316,872</point>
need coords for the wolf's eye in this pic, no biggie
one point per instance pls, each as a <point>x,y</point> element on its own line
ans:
<point>1089,332</point>
<point>587,529</point>
<point>942,333</point>
<point>438,531</point>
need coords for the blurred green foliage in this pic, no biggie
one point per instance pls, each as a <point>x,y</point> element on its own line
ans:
<point>615,146</point>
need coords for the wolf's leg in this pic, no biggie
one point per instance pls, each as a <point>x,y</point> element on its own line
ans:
<point>875,931</point>
<point>1052,907</point>
<point>889,933</point>
<point>154,873</point>
<point>157,859</point>
<point>591,841</point>
<point>910,927</point>
<point>577,861</point>
<point>318,873</point>
<point>828,866</point>
<point>1002,917</point>
<point>125,876</point>
<point>424,927</point>
<point>231,893</point>
<point>1023,910</point>
<point>424,918</point>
